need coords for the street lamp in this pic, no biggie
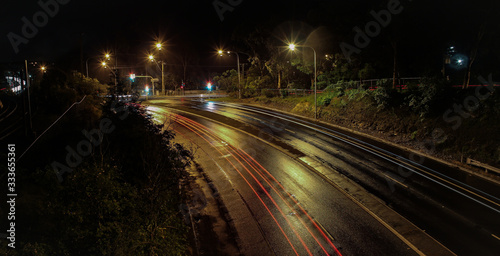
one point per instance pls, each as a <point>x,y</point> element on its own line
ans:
<point>105,65</point>
<point>292,48</point>
<point>87,65</point>
<point>107,57</point>
<point>159,47</point>
<point>237,63</point>
<point>152,58</point>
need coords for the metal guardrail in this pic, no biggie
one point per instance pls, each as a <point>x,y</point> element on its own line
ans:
<point>369,84</point>
<point>289,92</point>
<point>481,165</point>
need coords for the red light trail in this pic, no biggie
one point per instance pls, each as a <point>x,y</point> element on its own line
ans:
<point>240,155</point>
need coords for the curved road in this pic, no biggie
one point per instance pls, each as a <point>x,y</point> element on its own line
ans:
<point>315,190</point>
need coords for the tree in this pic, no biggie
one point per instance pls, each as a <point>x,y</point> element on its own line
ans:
<point>473,54</point>
<point>367,72</point>
<point>278,65</point>
<point>227,81</point>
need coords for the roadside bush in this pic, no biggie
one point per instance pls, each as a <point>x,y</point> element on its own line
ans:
<point>429,95</point>
<point>324,101</point>
<point>355,94</point>
<point>384,83</point>
<point>122,200</point>
<point>255,85</point>
<point>381,97</point>
<point>268,93</point>
<point>326,97</point>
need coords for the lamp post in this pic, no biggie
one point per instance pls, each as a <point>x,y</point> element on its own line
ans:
<point>87,65</point>
<point>292,48</point>
<point>162,78</point>
<point>159,47</point>
<point>105,65</point>
<point>28,89</point>
<point>152,58</point>
<point>237,63</point>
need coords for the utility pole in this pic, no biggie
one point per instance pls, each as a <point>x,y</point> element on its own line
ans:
<point>29,97</point>
<point>239,76</point>
<point>162,78</point>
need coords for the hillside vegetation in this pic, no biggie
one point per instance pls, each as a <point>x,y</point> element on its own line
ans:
<point>103,180</point>
<point>431,117</point>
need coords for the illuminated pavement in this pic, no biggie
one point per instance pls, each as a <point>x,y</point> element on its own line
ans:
<point>290,177</point>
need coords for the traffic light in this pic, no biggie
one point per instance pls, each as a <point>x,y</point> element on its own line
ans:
<point>209,86</point>
<point>182,86</point>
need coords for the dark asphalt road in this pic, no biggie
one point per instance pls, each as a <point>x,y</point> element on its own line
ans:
<point>458,209</point>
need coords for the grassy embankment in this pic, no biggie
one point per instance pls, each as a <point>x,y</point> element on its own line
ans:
<point>440,121</point>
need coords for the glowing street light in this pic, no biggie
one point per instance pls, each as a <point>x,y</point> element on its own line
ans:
<point>44,69</point>
<point>107,56</point>
<point>151,57</point>
<point>158,46</point>
<point>237,63</point>
<point>292,48</point>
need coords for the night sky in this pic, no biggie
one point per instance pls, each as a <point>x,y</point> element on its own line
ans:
<point>82,29</point>
<point>128,25</point>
